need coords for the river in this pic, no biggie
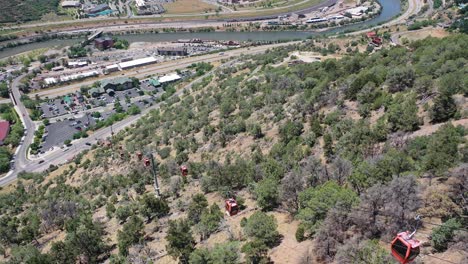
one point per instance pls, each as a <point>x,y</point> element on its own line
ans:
<point>390,8</point>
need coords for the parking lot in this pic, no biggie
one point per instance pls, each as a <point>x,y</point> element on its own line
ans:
<point>58,132</point>
<point>54,108</point>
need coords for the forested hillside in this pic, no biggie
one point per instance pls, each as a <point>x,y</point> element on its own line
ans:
<point>342,154</point>
<point>25,10</point>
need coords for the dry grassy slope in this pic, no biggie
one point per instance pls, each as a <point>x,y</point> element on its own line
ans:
<point>240,144</point>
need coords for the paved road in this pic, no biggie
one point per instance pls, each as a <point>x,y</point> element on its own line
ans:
<point>21,160</point>
<point>414,7</point>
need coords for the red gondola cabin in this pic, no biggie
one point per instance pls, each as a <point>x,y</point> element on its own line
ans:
<point>231,207</point>
<point>404,248</point>
<point>184,170</point>
<point>146,162</point>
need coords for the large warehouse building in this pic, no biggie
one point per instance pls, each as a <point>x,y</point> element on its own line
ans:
<point>136,63</point>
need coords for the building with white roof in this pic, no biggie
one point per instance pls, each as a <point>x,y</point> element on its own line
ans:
<point>169,78</point>
<point>71,4</point>
<point>136,63</point>
<point>77,76</point>
<point>111,68</point>
<point>76,64</point>
<point>140,3</point>
<point>357,11</point>
<point>50,80</point>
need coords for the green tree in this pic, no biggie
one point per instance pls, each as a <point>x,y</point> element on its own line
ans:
<point>290,130</point>
<point>315,126</point>
<point>443,109</point>
<point>267,194</point>
<point>196,207</point>
<point>150,207</point>
<point>180,240</point>
<point>256,251</point>
<point>62,252</point>
<point>8,230</point>
<point>28,255</point>
<point>402,114</point>
<point>110,210</point>
<point>209,222</point>
<point>31,231</point>
<point>4,90</point>
<point>123,212</point>
<point>364,252</point>
<point>256,131</point>
<point>131,234</point>
<point>400,78</point>
<point>316,201</point>
<point>328,146</point>
<point>444,234</point>
<point>221,253</point>
<point>227,253</point>
<point>442,149</point>
<point>200,256</point>
<point>86,239</point>
<point>262,227</point>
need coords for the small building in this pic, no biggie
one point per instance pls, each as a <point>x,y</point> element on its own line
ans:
<point>67,100</point>
<point>111,68</point>
<point>95,92</point>
<point>97,9</point>
<point>78,76</point>
<point>117,84</point>
<point>79,97</point>
<point>4,130</point>
<point>58,68</point>
<point>50,80</point>
<point>371,34</point>
<point>71,4</point>
<point>104,43</point>
<point>376,41</point>
<point>110,92</point>
<point>173,51</point>
<point>154,82</point>
<point>169,78</point>
<point>76,64</point>
<point>357,11</point>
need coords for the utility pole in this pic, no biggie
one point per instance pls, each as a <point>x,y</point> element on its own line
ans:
<point>153,170</point>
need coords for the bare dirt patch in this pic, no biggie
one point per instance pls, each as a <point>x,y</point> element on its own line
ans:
<point>187,6</point>
<point>422,34</point>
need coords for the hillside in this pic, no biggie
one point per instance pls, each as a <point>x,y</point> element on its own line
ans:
<point>329,160</point>
<point>25,10</point>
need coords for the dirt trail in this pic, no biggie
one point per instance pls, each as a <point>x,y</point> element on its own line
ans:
<point>429,129</point>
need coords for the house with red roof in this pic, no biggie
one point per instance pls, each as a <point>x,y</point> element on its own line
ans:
<point>4,130</point>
